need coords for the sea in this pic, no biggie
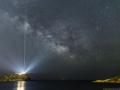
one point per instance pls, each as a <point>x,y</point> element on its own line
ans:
<point>57,85</point>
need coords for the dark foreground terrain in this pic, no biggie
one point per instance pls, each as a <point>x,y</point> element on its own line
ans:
<point>57,85</point>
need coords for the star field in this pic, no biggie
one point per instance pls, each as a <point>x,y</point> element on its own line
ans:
<point>62,36</point>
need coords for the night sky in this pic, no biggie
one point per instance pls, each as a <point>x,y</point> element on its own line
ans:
<point>79,39</point>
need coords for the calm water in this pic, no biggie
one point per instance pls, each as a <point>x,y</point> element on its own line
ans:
<point>57,85</point>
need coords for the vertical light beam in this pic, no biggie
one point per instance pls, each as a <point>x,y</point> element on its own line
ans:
<point>24,51</point>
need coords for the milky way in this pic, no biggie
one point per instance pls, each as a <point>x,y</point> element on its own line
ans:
<point>69,37</point>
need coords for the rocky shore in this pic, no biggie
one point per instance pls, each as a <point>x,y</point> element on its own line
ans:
<point>14,77</point>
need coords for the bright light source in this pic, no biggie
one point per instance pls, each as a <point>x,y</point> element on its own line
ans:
<point>21,73</point>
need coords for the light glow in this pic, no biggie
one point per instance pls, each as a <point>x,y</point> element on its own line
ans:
<point>21,85</point>
<point>21,73</point>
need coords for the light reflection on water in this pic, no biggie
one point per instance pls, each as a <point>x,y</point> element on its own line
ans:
<point>20,85</point>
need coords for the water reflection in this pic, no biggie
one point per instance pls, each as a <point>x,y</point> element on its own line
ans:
<point>21,85</point>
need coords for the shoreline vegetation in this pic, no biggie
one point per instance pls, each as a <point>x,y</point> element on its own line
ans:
<point>114,80</point>
<point>14,77</point>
